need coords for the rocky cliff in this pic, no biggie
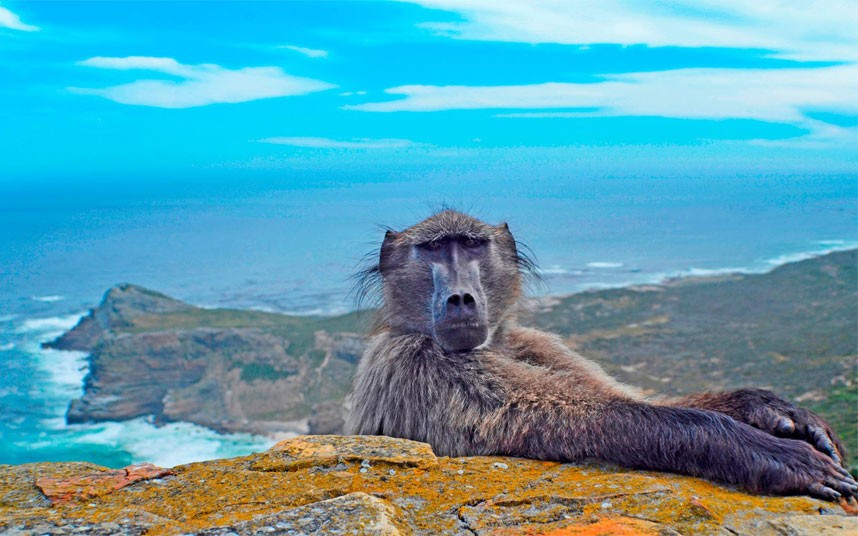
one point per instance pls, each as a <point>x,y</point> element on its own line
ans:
<point>384,486</point>
<point>229,370</point>
<point>791,330</point>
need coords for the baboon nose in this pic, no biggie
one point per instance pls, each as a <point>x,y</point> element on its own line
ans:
<point>461,306</point>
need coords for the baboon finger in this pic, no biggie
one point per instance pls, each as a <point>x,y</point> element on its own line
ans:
<point>823,492</point>
<point>842,487</point>
<point>843,471</point>
<point>822,442</point>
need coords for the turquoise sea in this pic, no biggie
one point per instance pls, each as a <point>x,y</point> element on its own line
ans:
<point>291,245</point>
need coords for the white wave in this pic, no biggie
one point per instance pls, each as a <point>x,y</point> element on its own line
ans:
<point>7,318</point>
<point>263,309</point>
<point>48,299</point>
<point>605,286</point>
<point>554,269</point>
<point>172,444</point>
<point>708,272</point>
<point>6,347</point>
<point>791,257</point>
<point>306,312</point>
<point>604,264</point>
<point>65,369</point>
<point>829,246</point>
<point>45,327</point>
<point>832,243</point>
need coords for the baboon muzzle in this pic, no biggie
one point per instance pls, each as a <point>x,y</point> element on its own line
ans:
<point>459,308</point>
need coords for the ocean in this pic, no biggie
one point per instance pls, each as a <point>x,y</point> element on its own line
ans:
<point>290,245</point>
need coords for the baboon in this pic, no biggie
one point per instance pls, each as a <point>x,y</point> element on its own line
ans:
<point>447,364</point>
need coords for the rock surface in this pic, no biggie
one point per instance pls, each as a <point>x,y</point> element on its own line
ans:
<point>384,486</point>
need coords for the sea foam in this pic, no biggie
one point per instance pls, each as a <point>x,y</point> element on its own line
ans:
<point>169,445</point>
<point>827,246</point>
<point>51,326</point>
<point>604,264</point>
<point>48,299</point>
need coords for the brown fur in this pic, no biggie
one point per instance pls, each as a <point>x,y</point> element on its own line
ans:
<point>524,393</point>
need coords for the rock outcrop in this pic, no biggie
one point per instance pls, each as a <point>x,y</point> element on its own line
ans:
<point>384,486</point>
<point>232,371</point>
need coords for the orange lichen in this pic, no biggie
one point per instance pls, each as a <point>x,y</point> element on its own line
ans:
<point>65,489</point>
<point>422,493</point>
<point>611,526</point>
<point>850,506</point>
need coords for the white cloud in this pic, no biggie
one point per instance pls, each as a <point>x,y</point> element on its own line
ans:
<point>309,52</point>
<point>142,63</point>
<point>328,143</point>
<point>13,22</point>
<point>775,95</point>
<point>198,85</point>
<point>809,30</point>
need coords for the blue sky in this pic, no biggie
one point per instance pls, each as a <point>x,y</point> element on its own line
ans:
<point>426,87</point>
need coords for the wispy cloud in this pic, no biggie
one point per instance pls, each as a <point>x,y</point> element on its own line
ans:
<point>198,85</point>
<point>781,95</point>
<point>818,30</point>
<point>13,21</point>
<point>328,143</point>
<point>822,135</point>
<point>309,52</point>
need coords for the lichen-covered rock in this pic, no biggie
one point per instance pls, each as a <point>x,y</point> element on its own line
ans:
<point>384,486</point>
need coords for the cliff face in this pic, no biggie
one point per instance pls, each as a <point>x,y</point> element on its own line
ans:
<point>228,370</point>
<point>384,486</point>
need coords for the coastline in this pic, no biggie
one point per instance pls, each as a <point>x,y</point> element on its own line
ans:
<point>691,274</point>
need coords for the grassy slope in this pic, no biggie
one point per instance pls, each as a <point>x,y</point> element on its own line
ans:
<point>792,330</point>
<point>299,330</point>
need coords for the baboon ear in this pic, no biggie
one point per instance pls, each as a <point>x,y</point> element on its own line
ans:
<point>507,241</point>
<point>504,228</point>
<point>388,246</point>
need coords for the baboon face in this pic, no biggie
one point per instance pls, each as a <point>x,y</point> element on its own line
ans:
<point>451,277</point>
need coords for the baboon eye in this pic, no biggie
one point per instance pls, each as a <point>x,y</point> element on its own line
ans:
<point>432,245</point>
<point>472,243</point>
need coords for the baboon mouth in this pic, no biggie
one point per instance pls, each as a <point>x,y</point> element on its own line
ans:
<point>463,325</point>
<point>461,336</point>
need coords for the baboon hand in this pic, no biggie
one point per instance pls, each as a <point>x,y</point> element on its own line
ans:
<point>796,468</point>
<point>764,410</point>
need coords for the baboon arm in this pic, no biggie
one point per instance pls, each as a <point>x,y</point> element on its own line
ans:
<point>547,350</point>
<point>540,348</point>
<point>768,412</point>
<point>688,441</point>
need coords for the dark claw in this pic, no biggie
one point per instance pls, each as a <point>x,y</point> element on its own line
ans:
<point>823,492</point>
